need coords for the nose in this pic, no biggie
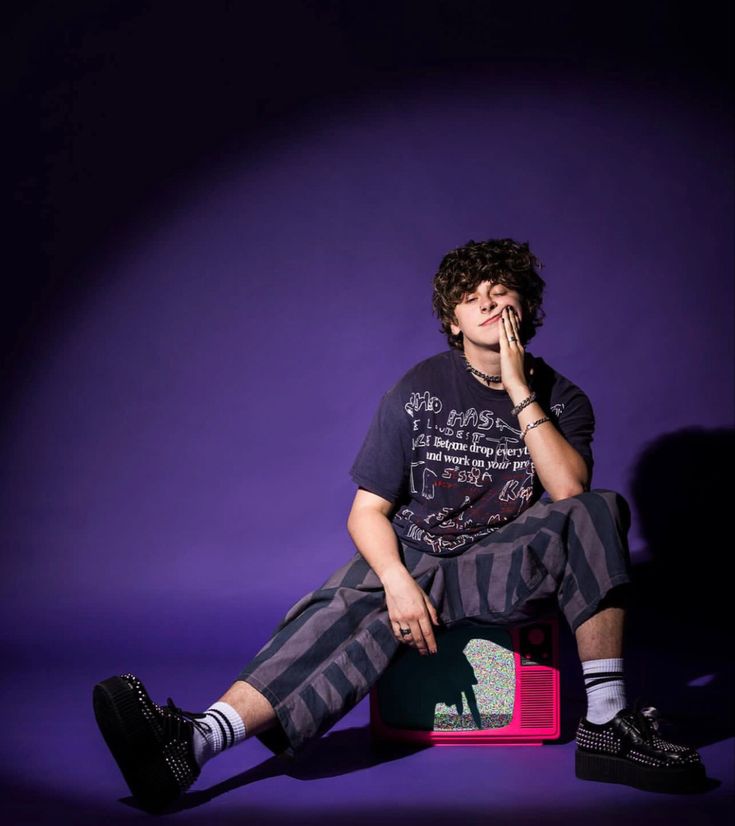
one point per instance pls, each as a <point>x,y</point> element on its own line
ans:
<point>487,304</point>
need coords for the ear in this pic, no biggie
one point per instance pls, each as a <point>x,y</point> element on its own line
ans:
<point>453,327</point>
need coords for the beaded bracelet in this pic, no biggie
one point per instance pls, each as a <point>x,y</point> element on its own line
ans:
<point>528,400</point>
<point>531,425</point>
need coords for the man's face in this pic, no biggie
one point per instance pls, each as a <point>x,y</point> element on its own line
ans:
<point>477,316</point>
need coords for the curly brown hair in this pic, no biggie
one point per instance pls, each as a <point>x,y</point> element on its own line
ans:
<point>502,261</point>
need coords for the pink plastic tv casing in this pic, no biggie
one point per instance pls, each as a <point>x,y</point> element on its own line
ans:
<point>536,695</point>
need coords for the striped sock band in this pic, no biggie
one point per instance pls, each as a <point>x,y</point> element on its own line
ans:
<point>603,681</point>
<point>220,729</point>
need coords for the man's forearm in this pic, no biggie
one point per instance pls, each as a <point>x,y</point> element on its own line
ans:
<point>559,467</point>
<point>376,540</point>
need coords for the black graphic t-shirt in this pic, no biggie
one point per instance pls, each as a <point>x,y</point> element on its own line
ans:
<point>448,452</point>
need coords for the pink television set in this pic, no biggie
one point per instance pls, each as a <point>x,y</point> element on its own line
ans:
<point>486,685</point>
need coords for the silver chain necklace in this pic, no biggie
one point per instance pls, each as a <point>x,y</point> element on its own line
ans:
<point>484,376</point>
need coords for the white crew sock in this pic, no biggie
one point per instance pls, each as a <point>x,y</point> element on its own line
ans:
<point>603,680</point>
<point>219,729</point>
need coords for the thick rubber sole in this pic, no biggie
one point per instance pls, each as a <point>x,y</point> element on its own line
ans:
<point>607,769</point>
<point>132,740</point>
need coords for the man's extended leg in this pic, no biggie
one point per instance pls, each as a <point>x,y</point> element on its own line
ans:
<point>241,712</point>
<point>256,712</point>
<point>322,659</point>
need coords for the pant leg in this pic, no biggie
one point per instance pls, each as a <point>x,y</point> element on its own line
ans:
<point>335,642</point>
<point>573,552</point>
<point>326,653</point>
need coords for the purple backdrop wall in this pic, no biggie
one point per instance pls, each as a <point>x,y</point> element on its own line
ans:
<point>190,423</point>
<point>227,226</point>
<point>224,221</point>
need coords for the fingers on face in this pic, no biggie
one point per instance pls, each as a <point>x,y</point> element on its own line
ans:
<point>506,330</point>
<point>510,324</point>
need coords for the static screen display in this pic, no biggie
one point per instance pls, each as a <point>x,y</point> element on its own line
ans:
<point>469,684</point>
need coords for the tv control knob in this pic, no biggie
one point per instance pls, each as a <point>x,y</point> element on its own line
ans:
<point>536,636</point>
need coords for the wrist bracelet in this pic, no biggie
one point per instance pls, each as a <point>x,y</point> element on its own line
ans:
<point>528,400</point>
<point>531,425</point>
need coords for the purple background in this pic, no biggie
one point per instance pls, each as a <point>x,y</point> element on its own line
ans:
<point>224,235</point>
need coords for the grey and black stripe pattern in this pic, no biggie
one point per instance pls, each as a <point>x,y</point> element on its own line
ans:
<point>336,641</point>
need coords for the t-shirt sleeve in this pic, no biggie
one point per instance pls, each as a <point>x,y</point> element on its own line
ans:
<point>577,424</point>
<point>382,465</point>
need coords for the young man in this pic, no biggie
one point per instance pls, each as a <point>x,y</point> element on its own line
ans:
<point>449,525</point>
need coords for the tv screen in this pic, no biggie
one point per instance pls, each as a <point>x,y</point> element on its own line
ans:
<point>468,684</point>
<point>486,685</point>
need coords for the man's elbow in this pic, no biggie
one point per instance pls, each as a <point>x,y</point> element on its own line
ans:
<point>566,493</point>
<point>355,519</point>
<point>569,489</point>
<point>352,519</point>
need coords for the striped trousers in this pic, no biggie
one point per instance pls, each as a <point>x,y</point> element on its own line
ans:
<point>336,641</point>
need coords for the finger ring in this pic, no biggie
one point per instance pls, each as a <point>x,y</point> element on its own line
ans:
<point>511,338</point>
<point>404,631</point>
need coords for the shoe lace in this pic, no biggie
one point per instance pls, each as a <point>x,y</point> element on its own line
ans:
<point>647,717</point>
<point>175,719</point>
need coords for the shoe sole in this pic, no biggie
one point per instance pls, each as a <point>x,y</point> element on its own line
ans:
<point>608,769</point>
<point>118,709</point>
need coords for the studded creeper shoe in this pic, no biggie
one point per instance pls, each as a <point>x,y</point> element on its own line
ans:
<point>151,744</point>
<point>629,750</point>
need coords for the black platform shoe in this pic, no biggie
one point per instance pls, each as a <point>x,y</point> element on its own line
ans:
<point>152,744</point>
<point>629,750</point>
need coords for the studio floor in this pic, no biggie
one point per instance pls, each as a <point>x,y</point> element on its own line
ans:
<point>56,768</point>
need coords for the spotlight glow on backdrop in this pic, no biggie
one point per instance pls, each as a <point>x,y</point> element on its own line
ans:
<point>200,407</point>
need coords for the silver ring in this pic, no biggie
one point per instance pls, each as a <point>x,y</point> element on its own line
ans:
<point>512,338</point>
<point>404,631</point>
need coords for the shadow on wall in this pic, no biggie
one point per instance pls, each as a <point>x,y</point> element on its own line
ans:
<point>681,609</point>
